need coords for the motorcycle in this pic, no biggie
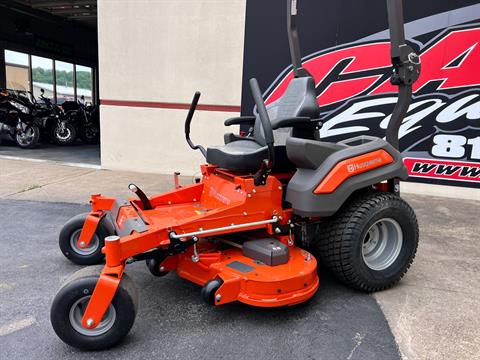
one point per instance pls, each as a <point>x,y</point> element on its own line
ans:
<point>91,128</point>
<point>18,118</point>
<point>84,117</point>
<point>56,124</point>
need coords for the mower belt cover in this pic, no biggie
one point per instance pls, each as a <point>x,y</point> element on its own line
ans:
<point>123,217</point>
<point>269,251</point>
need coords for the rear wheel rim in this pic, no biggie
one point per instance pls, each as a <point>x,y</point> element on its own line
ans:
<point>89,250</point>
<point>78,310</point>
<point>382,244</point>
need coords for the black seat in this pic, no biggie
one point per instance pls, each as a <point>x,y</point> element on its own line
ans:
<point>247,154</point>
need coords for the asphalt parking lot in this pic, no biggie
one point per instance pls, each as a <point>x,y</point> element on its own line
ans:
<point>173,322</point>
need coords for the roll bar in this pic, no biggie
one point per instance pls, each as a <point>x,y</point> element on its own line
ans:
<point>405,62</point>
<point>293,40</point>
<point>406,69</point>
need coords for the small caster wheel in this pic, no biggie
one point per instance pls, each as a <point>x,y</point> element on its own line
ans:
<point>90,255</point>
<point>209,290</point>
<point>71,301</point>
<point>155,268</point>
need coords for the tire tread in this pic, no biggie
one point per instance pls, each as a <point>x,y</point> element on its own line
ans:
<point>338,235</point>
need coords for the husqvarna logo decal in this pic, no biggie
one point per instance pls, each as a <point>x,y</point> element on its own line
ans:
<point>215,194</point>
<point>363,165</point>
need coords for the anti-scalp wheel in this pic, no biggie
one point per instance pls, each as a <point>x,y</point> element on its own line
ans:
<point>155,268</point>
<point>209,290</point>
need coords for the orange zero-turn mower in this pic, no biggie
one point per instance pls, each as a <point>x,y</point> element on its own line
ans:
<point>239,232</point>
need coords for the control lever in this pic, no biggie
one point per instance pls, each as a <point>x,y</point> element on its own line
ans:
<point>147,205</point>
<point>260,177</point>
<point>188,120</point>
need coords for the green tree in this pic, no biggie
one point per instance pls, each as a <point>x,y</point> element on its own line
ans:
<point>64,78</point>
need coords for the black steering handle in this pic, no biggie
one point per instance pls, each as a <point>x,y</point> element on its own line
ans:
<point>265,121</point>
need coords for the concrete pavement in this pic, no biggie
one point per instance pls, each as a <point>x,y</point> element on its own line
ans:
<point>433,312</point>
<point>77,153</point>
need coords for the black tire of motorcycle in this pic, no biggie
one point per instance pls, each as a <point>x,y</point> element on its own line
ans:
<point>70,140</point>
<point>90,140</point>
<point>34,142</point>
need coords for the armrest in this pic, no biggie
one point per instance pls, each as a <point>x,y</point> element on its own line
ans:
<point>300,121</point>
<point>240,120</point>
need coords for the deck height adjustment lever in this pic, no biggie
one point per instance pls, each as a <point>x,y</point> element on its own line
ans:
<point>147,205</point>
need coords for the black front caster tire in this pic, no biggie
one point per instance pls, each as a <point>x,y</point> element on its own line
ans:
<point>69,235</point>
<point>70,303</point>
<point>371,242</point>
<point>209,290</point>
<point>154,267</point>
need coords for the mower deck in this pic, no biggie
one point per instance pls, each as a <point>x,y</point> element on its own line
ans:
<point>251,281</point>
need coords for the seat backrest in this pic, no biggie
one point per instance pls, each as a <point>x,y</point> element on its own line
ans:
<point>299,99</point>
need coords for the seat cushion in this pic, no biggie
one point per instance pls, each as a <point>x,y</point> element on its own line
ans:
<point>246,156</point>
<point>241,155</point>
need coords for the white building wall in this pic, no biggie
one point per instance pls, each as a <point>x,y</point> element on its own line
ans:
<point>163,51</point>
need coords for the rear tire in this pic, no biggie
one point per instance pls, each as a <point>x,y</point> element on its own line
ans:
<point>371,242</point>
<point>69,234</point>
<point>69,305</point>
